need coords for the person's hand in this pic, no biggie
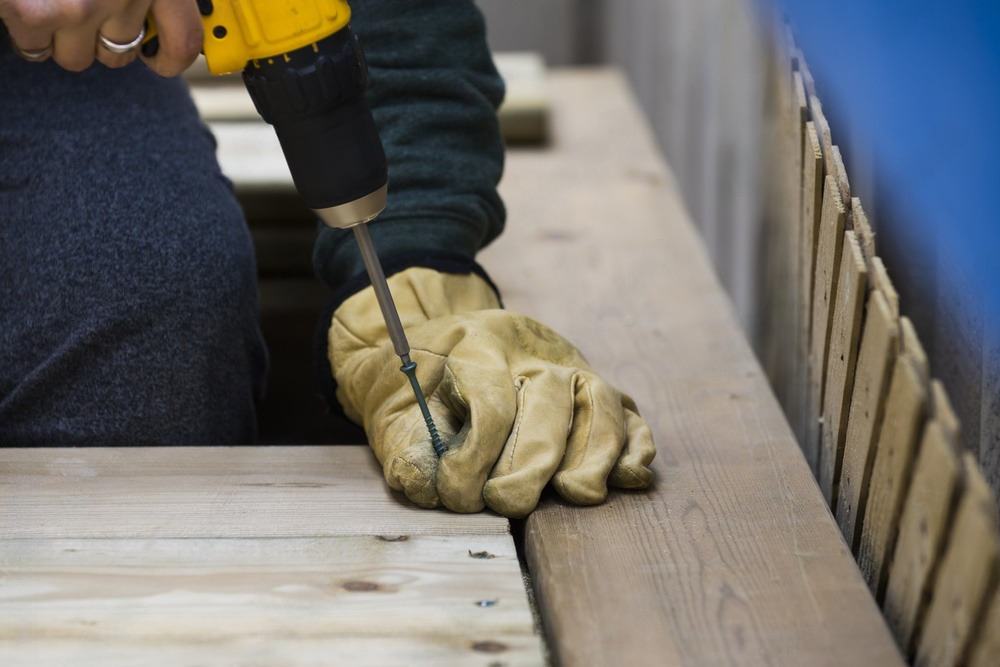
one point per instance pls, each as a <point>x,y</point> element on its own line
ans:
<point>516,404</point>
<point>70,31</point>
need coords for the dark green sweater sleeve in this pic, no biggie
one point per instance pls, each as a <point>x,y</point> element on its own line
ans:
<point>434,93</point>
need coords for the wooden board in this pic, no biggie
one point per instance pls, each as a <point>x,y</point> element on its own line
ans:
<point>967,577</point>
<point>862,227</point>
<point>823,132</point>
<point>842,359</point>
<point>924,524</point>
<point>732,557</point>
<point>876,358</point>
<point>793,349</point>
<point>812,203</point>
<point>828,250</point>
<point>905,410</point>
<point>986,641</point>
<point>182,555</point>
<point>211,492</point>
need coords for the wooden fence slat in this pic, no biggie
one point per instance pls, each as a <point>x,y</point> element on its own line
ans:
<point>966,579</point>
<point>775,231</point>
<point>862,227</point>
<point>904,417</point>
<point>829,248</point>
<point>924,522</point>
<point>797,351</point>
<point>812,202</point>
<point>879,342</point>
<point>843,357</point>
<point>823,132</point>
<point>986,642</point>
<point>879,279</point>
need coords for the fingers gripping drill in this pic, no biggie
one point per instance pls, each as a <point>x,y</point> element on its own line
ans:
<point>305,71</point>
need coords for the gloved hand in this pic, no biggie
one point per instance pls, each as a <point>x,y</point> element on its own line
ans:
<point>516,403</point>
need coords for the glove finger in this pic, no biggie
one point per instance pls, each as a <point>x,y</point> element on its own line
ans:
<point>632,471</point>
<point>412,465</point>
<point>536,444</point>
<point>482,398</point>
<point>595,441</point>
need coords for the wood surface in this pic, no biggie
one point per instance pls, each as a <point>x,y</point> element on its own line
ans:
<point>843,356</point>
<point>876,358</point>
<point>925,522</point>
<point>265,555</point>
<point>986,641</point>
<point>905,411</point>
<point>188,492</point>
<point>862,227</point>
<point>967,577</point>
<point>732,557</point>
<point>829,246</point>
<point>780,235</point>
<point>812,204</point>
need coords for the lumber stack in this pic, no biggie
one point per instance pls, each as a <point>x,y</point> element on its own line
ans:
<point>878,431</point>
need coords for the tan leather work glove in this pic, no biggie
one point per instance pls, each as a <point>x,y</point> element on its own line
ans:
<point>516,404</point>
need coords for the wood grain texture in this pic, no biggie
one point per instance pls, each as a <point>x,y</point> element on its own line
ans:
<point>255,555</point>
<point>924,524</point>
<point>211,492</point>
<point>876,358</point>
<point>905,411</point>
<point>842,360</point>
<point>732,557</point>
<point>485,651</point>
<point>967,577</point>
<point>829,246</point>
<point>240,588</point>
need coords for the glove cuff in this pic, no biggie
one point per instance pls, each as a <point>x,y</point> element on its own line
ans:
<point>440,261</point>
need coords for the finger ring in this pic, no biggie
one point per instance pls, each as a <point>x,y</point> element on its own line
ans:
<point>115,47</point>
<point>40,54</point>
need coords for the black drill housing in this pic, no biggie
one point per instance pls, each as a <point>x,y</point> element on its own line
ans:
<point>315,99</point>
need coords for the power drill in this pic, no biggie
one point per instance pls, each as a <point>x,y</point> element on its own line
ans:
<point>306,73</point>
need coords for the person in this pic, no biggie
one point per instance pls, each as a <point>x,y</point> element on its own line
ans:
<point>129,307</point>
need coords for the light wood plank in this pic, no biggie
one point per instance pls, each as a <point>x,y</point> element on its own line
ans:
<point>732,557</point>
<point>824,134</point>
<point>828,251</point>
<point>862,227</point>
<point>967,577</point>
<point>812,203</point>
<point>880,280</point>
<point>876,358</point>
<point>925,521</point>
<point>986,641</point>
<point>905,411</point>
<point>791,352</point>
<point>437,650</point>
<point>191,590</point>
<point>844,334</point>
<point>212,492</point>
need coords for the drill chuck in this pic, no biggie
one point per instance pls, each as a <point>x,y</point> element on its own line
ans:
<point>315,99</point>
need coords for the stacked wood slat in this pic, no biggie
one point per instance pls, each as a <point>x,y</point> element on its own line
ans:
<point>879,433</point>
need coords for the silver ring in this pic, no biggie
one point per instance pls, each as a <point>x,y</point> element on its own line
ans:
<point>34,56</point>
<point>115,47</point>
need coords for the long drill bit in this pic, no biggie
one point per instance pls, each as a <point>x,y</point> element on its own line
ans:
<point>395,328</point>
